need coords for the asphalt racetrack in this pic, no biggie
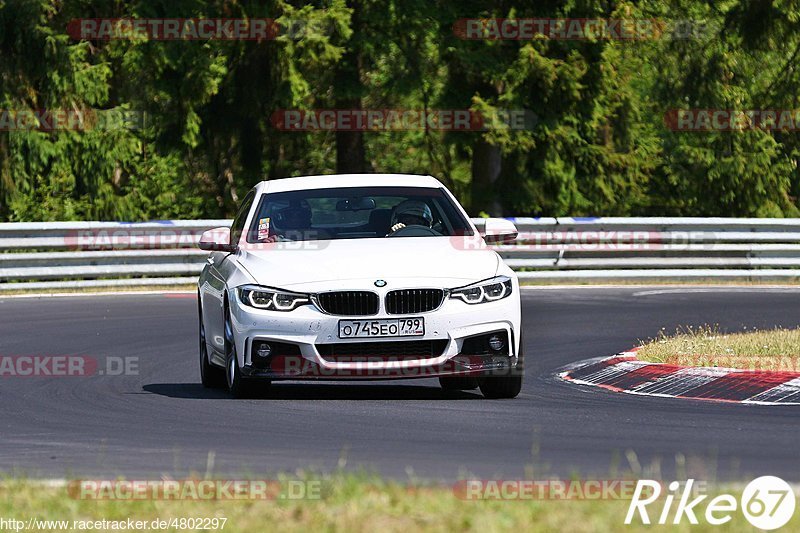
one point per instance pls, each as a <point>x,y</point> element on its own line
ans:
<point>158,420</point>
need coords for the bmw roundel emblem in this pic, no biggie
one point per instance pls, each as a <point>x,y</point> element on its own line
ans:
<point>380,283</point>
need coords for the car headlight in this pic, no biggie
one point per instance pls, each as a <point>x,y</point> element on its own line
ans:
<point>488,290</point>
<point>273,299</point>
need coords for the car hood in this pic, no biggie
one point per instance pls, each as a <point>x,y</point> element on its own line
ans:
<point>315,265</point>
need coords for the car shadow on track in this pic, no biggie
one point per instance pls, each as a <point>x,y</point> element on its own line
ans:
<point>316,391</point>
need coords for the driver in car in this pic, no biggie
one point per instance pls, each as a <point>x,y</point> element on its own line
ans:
<point>411,213</point>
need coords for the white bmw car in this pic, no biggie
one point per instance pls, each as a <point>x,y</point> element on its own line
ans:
<point>347,277</point>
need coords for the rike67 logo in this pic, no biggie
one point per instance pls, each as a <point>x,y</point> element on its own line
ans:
<point>767,502</point>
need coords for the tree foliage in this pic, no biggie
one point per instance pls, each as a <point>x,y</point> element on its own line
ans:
<point>595,140</point>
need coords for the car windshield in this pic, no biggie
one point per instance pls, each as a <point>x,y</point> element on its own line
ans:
<point>356,213</point>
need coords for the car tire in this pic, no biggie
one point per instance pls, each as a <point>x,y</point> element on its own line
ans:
<point>502,387</point>
<point>211,376</point>
<point>505,386</point>
<point>458,383</point>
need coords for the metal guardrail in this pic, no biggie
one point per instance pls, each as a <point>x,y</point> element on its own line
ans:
<point>66,255</point>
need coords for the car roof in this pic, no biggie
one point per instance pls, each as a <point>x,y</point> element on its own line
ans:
<point>348,180</point>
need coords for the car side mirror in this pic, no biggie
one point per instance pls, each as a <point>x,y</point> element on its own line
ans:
<point>499,231</point>
<point>217,240</point>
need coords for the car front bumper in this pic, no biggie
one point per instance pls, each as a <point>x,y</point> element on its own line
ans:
<point>307,327</point>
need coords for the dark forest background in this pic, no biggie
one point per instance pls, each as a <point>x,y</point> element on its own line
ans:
<point>599,144</point>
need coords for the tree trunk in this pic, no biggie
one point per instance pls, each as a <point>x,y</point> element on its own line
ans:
<point>486,167</point>
<point>350,154</point>
<point>350,157</point>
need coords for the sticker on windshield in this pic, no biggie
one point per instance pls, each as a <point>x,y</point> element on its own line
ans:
<point>263,229</point>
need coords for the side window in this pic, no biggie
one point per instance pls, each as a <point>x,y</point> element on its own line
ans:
<point>241,217</point>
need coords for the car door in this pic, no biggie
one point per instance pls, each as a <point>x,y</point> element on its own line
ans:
<point>214,283</point>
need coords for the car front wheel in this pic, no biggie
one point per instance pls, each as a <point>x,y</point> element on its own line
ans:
<point>238,385</point>
<point>501,387</point>
<point>211,376</point>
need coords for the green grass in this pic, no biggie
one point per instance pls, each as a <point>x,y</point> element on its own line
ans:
<point>352,503</point>
<point>775,349</point>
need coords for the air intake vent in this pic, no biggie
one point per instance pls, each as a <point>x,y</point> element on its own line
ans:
<point>352,352</point>
<point>348,303</point>
<point>410,301</point>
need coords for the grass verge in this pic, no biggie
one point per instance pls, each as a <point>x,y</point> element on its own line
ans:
<point>97,290</point>
<point>348,503</point>
<point>775,349</point>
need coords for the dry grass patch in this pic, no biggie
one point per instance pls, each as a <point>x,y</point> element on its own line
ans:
<point>775,349</point>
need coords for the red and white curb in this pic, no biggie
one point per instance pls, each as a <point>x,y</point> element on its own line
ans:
<point>625,373</point>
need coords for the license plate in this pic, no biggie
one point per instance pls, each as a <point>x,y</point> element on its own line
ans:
<point>395,327</point>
